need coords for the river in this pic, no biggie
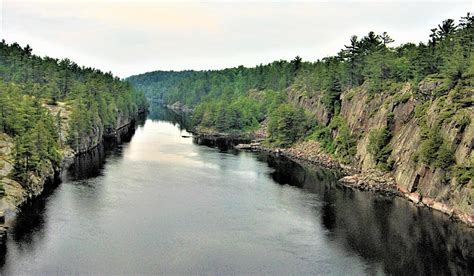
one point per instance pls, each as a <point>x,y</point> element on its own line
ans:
<point>162,204</point>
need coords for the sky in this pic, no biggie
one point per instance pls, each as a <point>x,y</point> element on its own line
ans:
<point>133,37</point>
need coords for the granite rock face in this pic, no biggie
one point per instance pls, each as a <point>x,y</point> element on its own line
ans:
<point>364,112</point>
<point>14,193</point>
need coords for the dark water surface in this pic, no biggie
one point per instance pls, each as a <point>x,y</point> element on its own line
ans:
<point>163,204</point>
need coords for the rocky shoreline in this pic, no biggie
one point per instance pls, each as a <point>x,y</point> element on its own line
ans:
<point>352,177</point>
<point>51,177</point>
<point>180,108</point>
<point>368,180</point>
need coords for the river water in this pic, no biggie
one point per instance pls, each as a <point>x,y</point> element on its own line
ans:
<point>162,204</point>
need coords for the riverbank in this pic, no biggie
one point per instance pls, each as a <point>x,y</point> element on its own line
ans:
<point>17,194</point>
<point>180,108</point>
<point>372,180</point>
<point>367,180</point>
<point>235,207</point>
<point>309,152</point>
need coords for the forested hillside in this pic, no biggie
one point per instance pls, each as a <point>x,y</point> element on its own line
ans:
<point>49,106</point>
<point>168,80</point>
<point>241,98</point>
<point>407,110</point>
<point>229,99</point>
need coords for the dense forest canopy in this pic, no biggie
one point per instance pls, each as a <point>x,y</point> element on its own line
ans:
<point>241,99</point>
<point>32,86</point>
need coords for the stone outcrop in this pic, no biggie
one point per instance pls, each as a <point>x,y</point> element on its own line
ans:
<point>306,152</point>
<point>365,112</point>
<point>180,107</point>
<point>311,102</point>
<point>372,180</point>
<point>16,194</point>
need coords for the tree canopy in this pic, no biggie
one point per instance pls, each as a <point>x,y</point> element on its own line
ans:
<point>31,86</point>
<point>238,99</point>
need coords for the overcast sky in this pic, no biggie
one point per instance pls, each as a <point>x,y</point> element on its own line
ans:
<point>131,37</point>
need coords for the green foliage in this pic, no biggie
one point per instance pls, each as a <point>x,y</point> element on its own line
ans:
<point>444,156</point>
<point>336,139</point>
<point>429,147</point>
<point>345,143</point>
<point>379,144</point>
<point>379,147</point>
<point>421,109</point>
<point>286,125</point>
<point>80,124</point>
<point>369,60</point>
<point>229,115</point>
<point>443,88</point>
<point>35,145</point>
<point>194,87</point>
<point>464,172</point>
<point>462,119</point>
<point>402,98</point>
<point>239,99</point>
<point>324,136</point>
<point>435,150</point>
<point>29,82</point>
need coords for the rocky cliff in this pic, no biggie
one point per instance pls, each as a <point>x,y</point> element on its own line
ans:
<point>412,114</point>
<point>313,103</point>
<point>14,193</point>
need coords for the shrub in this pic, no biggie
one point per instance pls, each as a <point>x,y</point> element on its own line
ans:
<point>336,139</point>
<point>286,125</point>
<point>443,88</point>
<point>402,98</point>
<point>444,157</point>
<point>429,147</point>
<point>345,143</point>
<point>379,147</point>
<point>379,144</point>
<point>462,119</point>
<point>324,137</point>
<point>420,110</point>
<point>435,150</point>
<point>464,173</point>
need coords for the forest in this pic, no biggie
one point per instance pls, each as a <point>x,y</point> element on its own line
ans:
<point>34,91</point>
<point>241,99</point>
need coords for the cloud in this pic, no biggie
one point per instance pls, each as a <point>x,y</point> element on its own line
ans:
<point>133,37</point>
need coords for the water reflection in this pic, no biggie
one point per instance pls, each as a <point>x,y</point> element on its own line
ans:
<point>87,165</point>
<point>162,204</point>
<point>28,229</point>
<point>401,238</point>
<point>160,113</point>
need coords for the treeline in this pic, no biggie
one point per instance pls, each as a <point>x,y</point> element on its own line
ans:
<point>32,86</point>
<point>232,99</point>
<point>193,87</point>
<point>168,80</point>
<point>241,99</point>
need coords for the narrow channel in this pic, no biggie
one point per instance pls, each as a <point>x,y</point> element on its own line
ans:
<point>161,203</point>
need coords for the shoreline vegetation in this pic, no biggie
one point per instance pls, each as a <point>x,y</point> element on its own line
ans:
<point>52,178</point>
<point>402,116</point>
<point>309,153</point>
<point>50,112</point>
<point>370,180</point>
